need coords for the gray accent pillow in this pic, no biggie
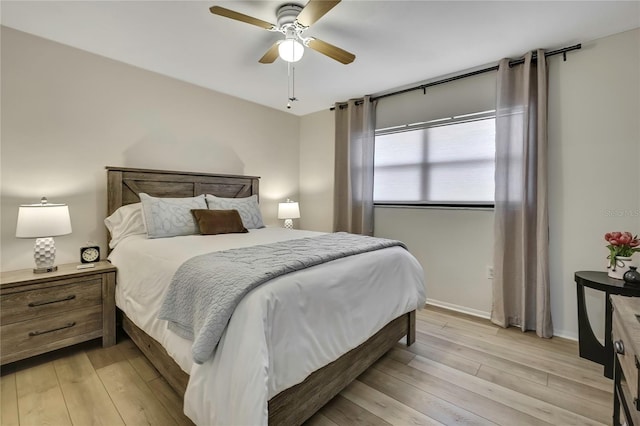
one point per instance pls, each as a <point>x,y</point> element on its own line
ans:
<point>170,217</point>
<point>247,207</point>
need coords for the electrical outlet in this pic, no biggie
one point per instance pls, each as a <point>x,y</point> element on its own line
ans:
<point>490,272</point>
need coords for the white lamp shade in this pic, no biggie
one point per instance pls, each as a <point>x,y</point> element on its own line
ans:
<point>43,220</point>
<point>290,50</point>
<point>288,210</point>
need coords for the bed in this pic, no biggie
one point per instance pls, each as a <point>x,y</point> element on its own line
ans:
<point>294,393</point>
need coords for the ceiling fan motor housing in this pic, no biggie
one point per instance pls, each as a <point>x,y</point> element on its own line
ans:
<point>287,14</point>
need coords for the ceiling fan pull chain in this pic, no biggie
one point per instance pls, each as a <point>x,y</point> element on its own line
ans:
<point>291,89</point>
<point>289,85</point>
<point>293,83</point>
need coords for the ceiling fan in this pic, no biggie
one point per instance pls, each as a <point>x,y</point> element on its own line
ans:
<point>293,20</point>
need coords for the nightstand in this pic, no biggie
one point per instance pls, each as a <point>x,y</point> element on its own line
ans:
<point>43,312</point>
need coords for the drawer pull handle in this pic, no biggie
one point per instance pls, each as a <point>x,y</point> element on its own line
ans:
<point>38,333</point>
<point>48,302</point>
<point>619,347</point>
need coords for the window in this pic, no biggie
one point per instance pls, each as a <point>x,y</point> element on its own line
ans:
<point>441,162</point>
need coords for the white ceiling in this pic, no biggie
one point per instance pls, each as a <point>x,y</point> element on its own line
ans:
<point>397,43</point>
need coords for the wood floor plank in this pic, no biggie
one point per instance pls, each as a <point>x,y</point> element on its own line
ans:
<point>129,349</point>
<point>343,412</point>
<point>476,403</point>
<point>569,401</point>
<point>463,323</point>
<point>400,354</point>
<point>478,326</point>
<point>103,357</point>
<point>538,349</point>
<point>525,356</point>
<point>385,407</point>
<point>426,350</point>
<point>319,419</point>
<point>139,362</point>
<point>597,396</point>
<point>434,320</point>
<point>82,388</point>
<point>9,406</point>
<point>528,343</point>
<point>524,403</point>
<point>170,400</point>
<point>484,357</point>
<point>424,402</point>
<point>40,400</point>
<point>135,401</point>
<point>566,346</point>
<point>144,368</point>
<point>427,325</point>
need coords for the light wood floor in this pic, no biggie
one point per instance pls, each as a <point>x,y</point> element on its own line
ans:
<point>461,370</point>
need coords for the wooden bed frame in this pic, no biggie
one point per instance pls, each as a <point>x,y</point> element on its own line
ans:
<point>296,404</point>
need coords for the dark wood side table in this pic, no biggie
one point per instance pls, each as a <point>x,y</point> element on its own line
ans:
<point>590,347</point>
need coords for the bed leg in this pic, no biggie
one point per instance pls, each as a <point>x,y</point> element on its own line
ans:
<point>411,328</point>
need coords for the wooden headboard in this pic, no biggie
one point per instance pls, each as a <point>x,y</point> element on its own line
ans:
<point>124,185</point>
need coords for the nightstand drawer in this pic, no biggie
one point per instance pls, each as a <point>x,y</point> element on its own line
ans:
<point>27,338</point>
<point>34,303</point>
<point>627,359</point>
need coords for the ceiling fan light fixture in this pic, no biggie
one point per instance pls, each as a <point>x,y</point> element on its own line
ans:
<point>290,50</point>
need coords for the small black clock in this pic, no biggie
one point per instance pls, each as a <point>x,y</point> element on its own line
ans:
<point>89,254</point>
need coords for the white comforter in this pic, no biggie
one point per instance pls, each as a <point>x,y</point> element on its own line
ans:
<point>281,331</point>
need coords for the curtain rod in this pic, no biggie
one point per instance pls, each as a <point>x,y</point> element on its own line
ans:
<point>562,51</point>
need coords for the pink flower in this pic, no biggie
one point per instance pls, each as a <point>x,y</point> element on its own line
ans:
<point>621,244</point>
<point>625,238</point>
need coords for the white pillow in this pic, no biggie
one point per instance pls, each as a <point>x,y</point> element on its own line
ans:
<point>125,221</point>
<point>247,207</point>
<point>170,217</point>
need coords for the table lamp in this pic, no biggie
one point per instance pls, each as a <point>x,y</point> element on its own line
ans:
<point>287,211</point>
<point>43,221</point>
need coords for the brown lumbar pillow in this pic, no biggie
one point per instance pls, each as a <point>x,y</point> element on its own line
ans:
<point>212,222</point>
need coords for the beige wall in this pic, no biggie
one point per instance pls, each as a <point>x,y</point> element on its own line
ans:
<point>454,248</point>
<point>594,154</point>
<point>317,133</point>
<point>66,114</point>
<point>594,146</point>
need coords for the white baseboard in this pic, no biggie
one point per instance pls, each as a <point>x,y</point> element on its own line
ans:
<point>458,308</point>
<point>570,335</point>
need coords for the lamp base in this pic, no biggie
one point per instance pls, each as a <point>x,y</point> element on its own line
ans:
<point>44,253</point>
<point>45,269</point>
<point>288,223</point>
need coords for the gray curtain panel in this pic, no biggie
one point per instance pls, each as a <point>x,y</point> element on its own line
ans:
<point>521,252</point>
<point>354,155</point>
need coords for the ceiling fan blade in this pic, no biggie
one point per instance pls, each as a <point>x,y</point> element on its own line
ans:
<point>227,13</point>
<point>331,51</point>
<point>271,55</point>
<point>315,10</point>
